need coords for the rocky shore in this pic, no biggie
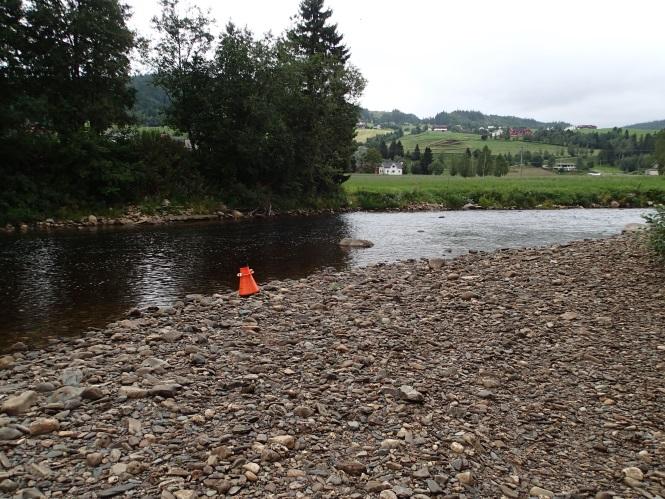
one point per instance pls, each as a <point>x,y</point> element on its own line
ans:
<point>534,372</point>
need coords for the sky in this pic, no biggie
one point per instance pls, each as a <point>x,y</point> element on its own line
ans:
<point>583,62</point>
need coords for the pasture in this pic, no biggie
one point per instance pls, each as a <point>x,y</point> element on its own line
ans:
<point>455,143</point>
<point>363,134</point>
<point>368,191</point>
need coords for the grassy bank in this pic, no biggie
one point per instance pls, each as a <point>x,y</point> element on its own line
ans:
<point>382,192</point>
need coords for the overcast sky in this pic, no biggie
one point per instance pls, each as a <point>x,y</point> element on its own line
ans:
<point>583,61</point>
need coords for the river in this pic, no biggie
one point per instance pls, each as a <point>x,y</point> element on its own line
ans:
<point>62,283</point>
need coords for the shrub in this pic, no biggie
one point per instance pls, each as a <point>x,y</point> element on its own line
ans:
<point>656,222</point>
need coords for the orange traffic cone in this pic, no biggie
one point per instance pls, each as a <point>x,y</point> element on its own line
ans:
<point>247,283</point>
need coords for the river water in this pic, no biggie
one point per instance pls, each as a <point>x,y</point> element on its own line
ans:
<point>63,282</point>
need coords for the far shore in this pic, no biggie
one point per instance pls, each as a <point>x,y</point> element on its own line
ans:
<point>135,218</point>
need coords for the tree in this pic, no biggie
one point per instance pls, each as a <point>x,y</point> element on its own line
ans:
<point>327,88</point>
<point>426,161</point>
<point>76,63</point>
<point>182,65</point>
<point>501,166</point>
<point>437,167</point>
<point>392,149</point>
<point>371,161</point>
<point>12,39</point>
<point>399,150</point>
<point>415,155</point>
<point>383,149</point>
<point>659,151</point>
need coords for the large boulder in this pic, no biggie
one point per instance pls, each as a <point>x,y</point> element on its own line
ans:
<point>347,242</point>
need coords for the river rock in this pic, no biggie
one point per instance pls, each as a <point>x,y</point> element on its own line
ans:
<point>7,433</point>
<point>44,425</point>
<point>410,394</point>
<point>71,376</point>
<point>133,392</point>
<point>94,459</point>
<point>8,486</point>
<point>65,394</point>
<point>19,403</point>
<point>540,492</point>
<point>356,243</point>
<point>633,472</point>
<point>287,441</point>
<point>6,362</point>
<point>351,467</point>
<point>436,263</point>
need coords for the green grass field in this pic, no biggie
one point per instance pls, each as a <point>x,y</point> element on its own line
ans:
<point>362,134</point>
<point>454,142</point>
<point>382,192</point>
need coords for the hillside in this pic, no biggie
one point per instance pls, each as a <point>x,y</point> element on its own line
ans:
<point>150,101</point>
<point>395,116</point>
<point>465,119</point>
<point>649,125</point>
<point>476,119</point>
<point>452,142</point>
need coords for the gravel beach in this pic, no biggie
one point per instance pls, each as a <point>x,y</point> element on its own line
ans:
<point>531,372</point>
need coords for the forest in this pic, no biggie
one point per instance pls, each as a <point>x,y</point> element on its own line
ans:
<point>269,120</point>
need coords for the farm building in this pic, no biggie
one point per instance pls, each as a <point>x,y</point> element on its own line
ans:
<point>565,167</point>
<point>440,128</point>
<point>391,168</point>
<point>520,132</point>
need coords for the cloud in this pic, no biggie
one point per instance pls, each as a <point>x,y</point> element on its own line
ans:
<point>591,62</point>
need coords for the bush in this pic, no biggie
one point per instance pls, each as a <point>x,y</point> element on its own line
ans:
<point>656,233</point>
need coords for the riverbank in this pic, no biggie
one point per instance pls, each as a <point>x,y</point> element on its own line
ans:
<point>392,193</point>
<point>534,371</point>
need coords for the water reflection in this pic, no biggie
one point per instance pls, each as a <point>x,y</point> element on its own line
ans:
<point>66,282</point>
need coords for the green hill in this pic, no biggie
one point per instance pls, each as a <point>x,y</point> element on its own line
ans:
<point>452,142</point>
<point>476,119</point>
<point>649,125</point>
<point>150,101</point>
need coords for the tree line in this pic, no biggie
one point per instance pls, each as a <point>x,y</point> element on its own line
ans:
<point>268,119</point>
<point>616,147</point>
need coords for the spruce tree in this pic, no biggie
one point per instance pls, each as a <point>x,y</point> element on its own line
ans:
<point>415,156</point>
<point>324,107</point>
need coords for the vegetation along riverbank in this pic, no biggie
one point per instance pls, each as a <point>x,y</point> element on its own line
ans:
<point>409,192</point>
<point>505,374</point>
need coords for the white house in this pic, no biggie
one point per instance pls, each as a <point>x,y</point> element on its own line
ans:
<point>391,168</point>
<point>652,171</point>
<point>439,128</point>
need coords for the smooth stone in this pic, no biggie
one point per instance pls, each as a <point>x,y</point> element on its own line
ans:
<point>351,467</point>
<point>44,425</point>
<point>19,403</point>
<point>540,492</point>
